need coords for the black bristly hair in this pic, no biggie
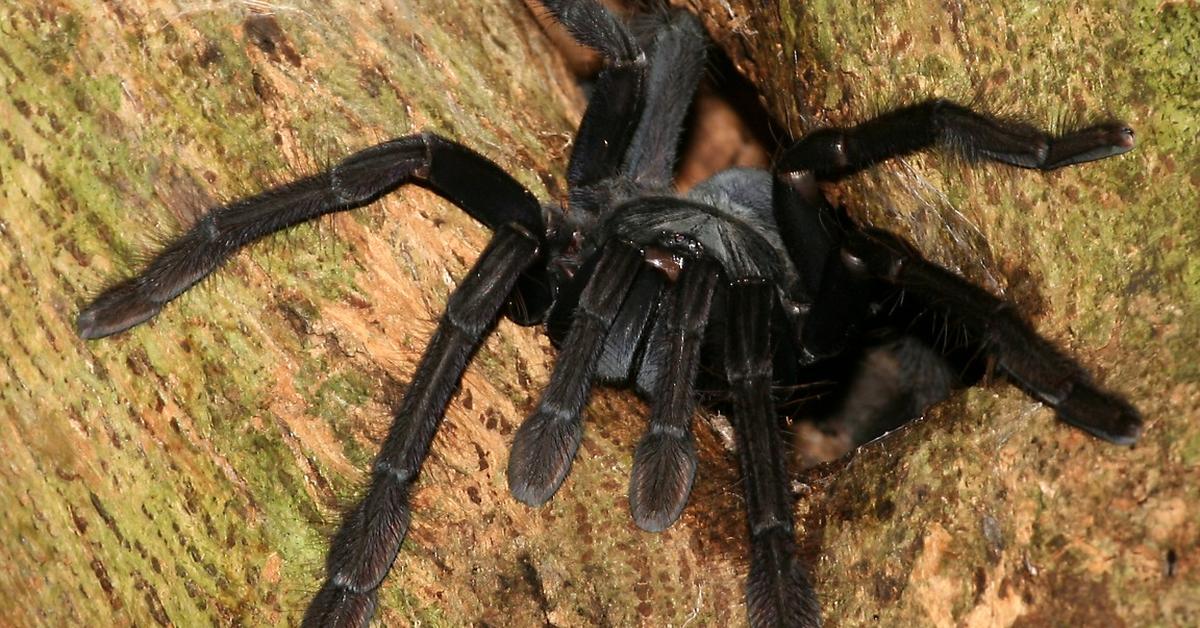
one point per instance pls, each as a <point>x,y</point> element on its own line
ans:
<point>749,284</point>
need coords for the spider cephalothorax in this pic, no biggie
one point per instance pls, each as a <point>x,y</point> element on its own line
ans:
<point>752,273</point>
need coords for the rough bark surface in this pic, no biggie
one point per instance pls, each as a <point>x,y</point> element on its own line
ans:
<point>188,472</point>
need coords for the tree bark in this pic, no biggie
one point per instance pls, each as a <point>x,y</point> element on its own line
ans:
<point>189,472</point>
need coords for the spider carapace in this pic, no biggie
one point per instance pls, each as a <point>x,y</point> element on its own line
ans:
<point>752,273</point>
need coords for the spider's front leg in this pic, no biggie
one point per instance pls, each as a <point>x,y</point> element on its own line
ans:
<point>364,548</point>
<point>834,153</point>
<point>545,444</point>
<point>778,590</point>
<point>664,465</point>
<point>1031,361</point>
<point>455,172</point>
<point>629,131</point>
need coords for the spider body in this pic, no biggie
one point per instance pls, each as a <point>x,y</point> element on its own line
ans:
<point>751,272</point>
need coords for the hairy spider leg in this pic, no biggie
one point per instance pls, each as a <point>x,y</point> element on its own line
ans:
<point>843,291</point>
<point>457,173</point>
<point>628,339</point>
<point>617,98</point>
<point>893,383</point>
<point>813,232</point>
<point>834,153</point>
<point>811,228</point>
<point>676,47</point>
<point>1031,361</point>
<point>545,444</point>
<point>810,225</point>
<point>664,464</point>
<point>365,546</point>
<point>778,590</point>
<point>362,552</point>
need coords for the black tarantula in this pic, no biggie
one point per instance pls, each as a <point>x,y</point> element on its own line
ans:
<point>752,274</point>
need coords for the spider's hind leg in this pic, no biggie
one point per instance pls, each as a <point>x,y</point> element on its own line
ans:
<point>778,590</point>
<point>887,384</point>
<point>676,44</point>
<point>618,97</point>
<point>1033,363</point>
<point>833,153</point>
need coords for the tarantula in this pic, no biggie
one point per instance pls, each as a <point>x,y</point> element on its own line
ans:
<point>752,273</point>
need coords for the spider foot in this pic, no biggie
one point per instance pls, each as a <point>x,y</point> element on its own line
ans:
<point>541,457</point>
<point>115,310</point>
<point>664,468</point>
<point>1095,142</point>
<point>778,591</point>
<point>1100,414</point>
<point>336,605</point>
